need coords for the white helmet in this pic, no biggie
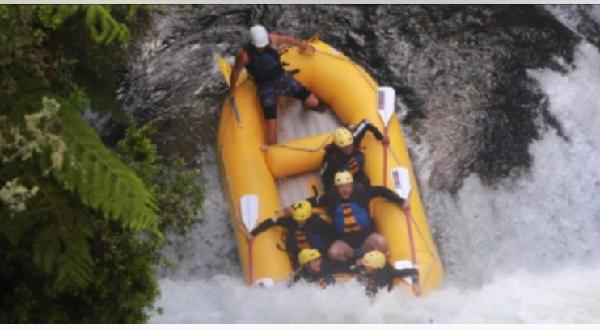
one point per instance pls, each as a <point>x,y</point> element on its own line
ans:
<point>259,36</point>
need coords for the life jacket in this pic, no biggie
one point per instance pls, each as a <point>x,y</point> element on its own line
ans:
<point>338,161</point>
<point>353,164</point>
<point>264,66</point>
<point>300,239</point>
<point>350,218</point>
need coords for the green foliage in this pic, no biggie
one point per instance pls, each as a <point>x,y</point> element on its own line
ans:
<point>80,227</point>
<point>55,231</point>
<point>103,27</point>
<point>46,43</point>
<point>121,291</point>
<point>100,179</point>
<point>81,163</point>
<point>89,269</point>
<point>177,188</point>
<point>52,17</point>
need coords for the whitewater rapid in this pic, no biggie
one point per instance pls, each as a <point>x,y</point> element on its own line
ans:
<point>522,250</point>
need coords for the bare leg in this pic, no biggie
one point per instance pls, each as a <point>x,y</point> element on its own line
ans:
<point>340,251</point>
<point>312,101</point>
<point>271,131</point>
<point>376,241</point>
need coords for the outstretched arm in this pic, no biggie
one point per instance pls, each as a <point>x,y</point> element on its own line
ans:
<point>362,128</point>
<point>327,171</point>
<point>380,191</point>
<point>268,223</point>
<point>240,60</point>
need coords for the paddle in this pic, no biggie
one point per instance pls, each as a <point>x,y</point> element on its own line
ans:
<point>385,106</point>
<point>249,212</point>
<point>225,68</point>
<point>385,103</point>
<point>236,111</point>
<point>402,186</point>
<point>401,181</point>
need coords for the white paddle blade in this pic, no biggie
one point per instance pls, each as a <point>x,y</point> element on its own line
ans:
<point>405,264</point>
<point>249,207</point>
<point>386,100</point>
<point>401,180</point>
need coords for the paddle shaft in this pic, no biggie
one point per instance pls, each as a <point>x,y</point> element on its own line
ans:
<point>415,286</point>
<point>385,147</point>
<point>236,111</point>
<point>249,241</point>
<point>413,255</point>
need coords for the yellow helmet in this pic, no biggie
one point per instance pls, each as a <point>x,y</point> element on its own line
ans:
<point>343,177</point>
<point>342,137</point>
<point>374,259</point>
<point>307,255</point>
<point>301,210</point>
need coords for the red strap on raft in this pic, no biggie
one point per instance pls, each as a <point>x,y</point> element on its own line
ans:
<point>415,286</point>
<point>413,255</point>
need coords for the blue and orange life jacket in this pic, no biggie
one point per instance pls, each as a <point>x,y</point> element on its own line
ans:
<point>350,218</point>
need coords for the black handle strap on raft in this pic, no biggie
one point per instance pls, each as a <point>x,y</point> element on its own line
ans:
<point>315,190</point>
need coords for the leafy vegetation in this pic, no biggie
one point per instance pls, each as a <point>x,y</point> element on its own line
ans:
<point>81,225</point>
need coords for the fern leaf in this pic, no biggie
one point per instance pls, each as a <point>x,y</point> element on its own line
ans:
<point>91,166</point>
<point>76,264</point>
<point>46,248</point>
<point>103,27</point>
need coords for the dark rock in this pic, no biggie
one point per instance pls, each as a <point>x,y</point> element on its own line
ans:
<point>460,70</point>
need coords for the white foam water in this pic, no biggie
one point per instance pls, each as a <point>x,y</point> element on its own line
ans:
<point>524,250</point>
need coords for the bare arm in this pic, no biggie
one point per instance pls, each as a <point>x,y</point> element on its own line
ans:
<point>240,60</point>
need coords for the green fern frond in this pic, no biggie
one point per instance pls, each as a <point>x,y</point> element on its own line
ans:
<point>46,248</point>
<point>103,27</point>
<point>100,180</point>
<point>53,16</point>
<point>75,263</point>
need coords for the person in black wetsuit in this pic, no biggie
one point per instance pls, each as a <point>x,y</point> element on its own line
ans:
<point>375,272</point>
<point>315,269</point>
<point>348,207</point>
<point>263,63</point>
<point>344,153</point>
<point>305,230</point>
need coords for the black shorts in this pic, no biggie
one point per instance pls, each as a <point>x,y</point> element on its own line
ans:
<point>286,85</point>
<point>356,240</point>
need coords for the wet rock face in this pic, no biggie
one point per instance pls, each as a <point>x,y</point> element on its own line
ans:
<point>460,71</point>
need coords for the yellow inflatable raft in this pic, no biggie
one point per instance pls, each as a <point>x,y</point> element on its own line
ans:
<point>247,168</point>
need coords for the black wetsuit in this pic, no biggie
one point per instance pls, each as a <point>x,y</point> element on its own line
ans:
<point>315,234</point>
<point>350,218</point>
<point>271,79</point>
<point>336,160</point>
<point>384,277</point>
<point>325,277</point>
